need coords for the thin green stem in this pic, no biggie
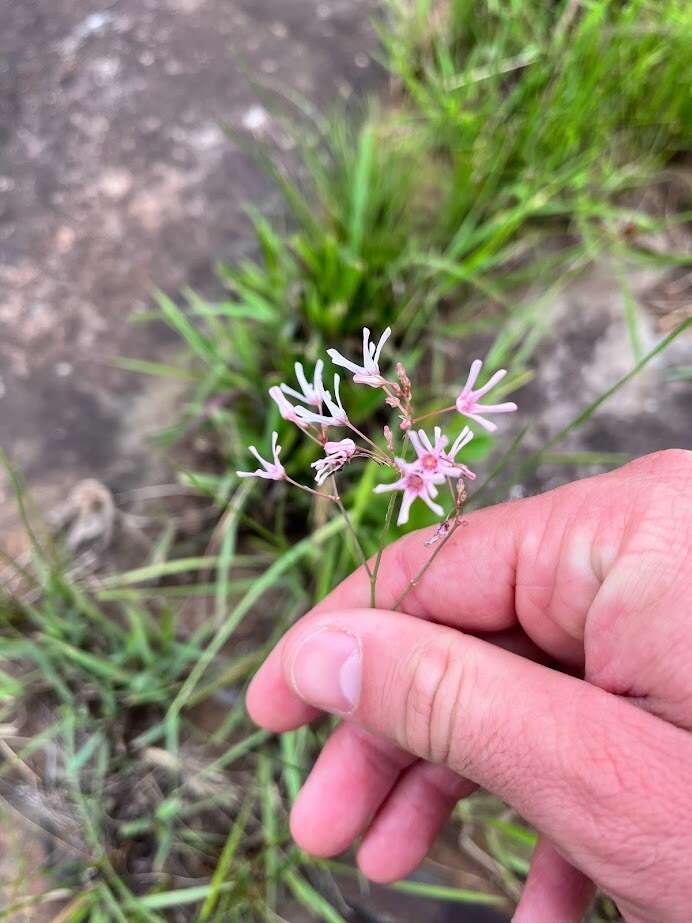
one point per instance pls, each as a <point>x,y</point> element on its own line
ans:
<point>351,529</point>
<point>383,536</point>
<point>308,431</point>
<point>433,413</point>
<point>310,490</point>
<point>414,581</point>
<point>380,552</point>
<point>365,438</point>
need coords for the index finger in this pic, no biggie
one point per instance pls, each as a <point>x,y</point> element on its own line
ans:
<point>501,566</point>
<point>471,585</point>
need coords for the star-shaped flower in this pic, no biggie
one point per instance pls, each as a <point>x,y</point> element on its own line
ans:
<point>271,471</point>
<point>468,402</point>
<point>369,372</point>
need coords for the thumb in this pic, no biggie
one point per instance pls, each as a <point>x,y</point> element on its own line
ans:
<point>600,777</point>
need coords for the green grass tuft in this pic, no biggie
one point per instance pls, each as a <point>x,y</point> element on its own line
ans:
<point>504,162</point>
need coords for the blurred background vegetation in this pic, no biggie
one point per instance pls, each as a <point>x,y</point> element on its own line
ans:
<point>512,150</point>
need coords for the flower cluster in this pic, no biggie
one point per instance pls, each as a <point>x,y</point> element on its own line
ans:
<point>317,410</point>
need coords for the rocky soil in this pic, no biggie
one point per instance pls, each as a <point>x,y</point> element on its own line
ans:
<point>116,176</point>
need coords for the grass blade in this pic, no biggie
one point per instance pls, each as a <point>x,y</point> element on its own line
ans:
<point>443,893</point>
<point>267,580</point>
<point>310,899</point>
<point>156,369</point>
<point>265,781</point>
<point>223,867</point>
<point>228,544</point>
<point>361,183</point>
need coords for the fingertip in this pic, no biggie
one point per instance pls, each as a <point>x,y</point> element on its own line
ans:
<point>272,704</point>
<point>554,889</point>
<point>405,828</point>
<point>352,777</point>
<point>383,866</point>
<point>313,831</point>
<point>255,704</point>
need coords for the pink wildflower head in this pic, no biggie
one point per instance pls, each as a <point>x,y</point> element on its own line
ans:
<point>336,415</point>
<point>468,402</point>
<point>369,372</point>
<point>311,393</point>
<point>336,456</point>
<point>414,482</point>
<point>271,471</point>
<point>431,457</point>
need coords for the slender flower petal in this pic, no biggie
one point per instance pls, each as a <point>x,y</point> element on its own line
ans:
<point>272,471</point>
<point>468,402</point>
<point>335,407</point>
<point>414,483</point>
<point>337,416</point>
<point>336,456</point>
<point>463,439</point>
<point>310,392</point>
<point>286,408</point>
<point>369,372</point>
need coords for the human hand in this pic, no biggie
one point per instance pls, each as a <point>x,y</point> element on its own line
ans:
<point>594,579</point>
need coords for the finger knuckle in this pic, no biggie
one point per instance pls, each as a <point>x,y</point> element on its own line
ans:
<point>660,514</point>
<point>668,465</point>
<point>616,795</point>
<point>674,462</point>
<point>433,700</point>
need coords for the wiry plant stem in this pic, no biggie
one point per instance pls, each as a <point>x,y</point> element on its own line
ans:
<point>383,537</point>
<point>380,551</point>
<point>378,454</point>
<point>414,581</point>
<point>310,490</point>
<point>433,413</point>
<point>351,529</point>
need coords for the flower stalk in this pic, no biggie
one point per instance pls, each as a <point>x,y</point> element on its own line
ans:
<point>316,410</point>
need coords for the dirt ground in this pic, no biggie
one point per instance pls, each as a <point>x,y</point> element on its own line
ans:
<point>588,350</point>
<point>115,177</point>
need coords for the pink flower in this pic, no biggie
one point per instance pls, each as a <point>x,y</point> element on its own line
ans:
<point>369,372</point>
<point>415,483</point>
<point>336,456</point>
<point>272,471</point>
<point>337,416</point>
<point>286,408</point>
<point>468,400</point>
<point>463,439</point>
<point>432,457</point>
<point>311,392</point>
